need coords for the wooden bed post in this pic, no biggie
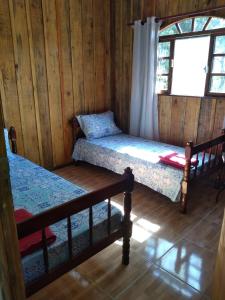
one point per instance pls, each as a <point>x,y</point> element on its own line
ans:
<point>12,137</point>
<point>11,276</point>
<point>220,176</point>
<point>186,177</point>
<point>127,224</point>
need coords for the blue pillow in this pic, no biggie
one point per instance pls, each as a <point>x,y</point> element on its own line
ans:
<point>8,149</point>
<point>98,125</point>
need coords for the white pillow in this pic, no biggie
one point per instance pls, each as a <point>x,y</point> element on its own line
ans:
<point>98,125</point>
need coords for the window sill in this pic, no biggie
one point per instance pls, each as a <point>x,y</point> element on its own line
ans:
<point>211,96</point>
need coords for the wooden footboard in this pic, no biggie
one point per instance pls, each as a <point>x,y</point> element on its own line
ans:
<point>210,159</point>
<point>64,212</point>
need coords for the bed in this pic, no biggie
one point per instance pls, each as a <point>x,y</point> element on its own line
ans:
<point>116,151</point>
<point>84,223</point>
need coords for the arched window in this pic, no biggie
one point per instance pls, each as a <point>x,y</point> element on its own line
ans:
<point>191,57</point>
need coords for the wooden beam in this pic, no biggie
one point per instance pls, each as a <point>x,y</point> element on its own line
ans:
<point>11,277</point>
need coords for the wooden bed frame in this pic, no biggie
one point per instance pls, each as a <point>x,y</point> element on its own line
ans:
<point>64,211</point>
<point>214,149</point>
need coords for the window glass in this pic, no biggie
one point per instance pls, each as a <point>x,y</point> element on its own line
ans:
<point>162,83</point>
<point>185,26</point>
<point>218,64</point>
<point>164,49</point>
<point>217,84</point>
<point>220,45</point>
<point>169,31</point>
<point>215,23</point>
<point>163,66</point>
<point>190,65</point>
<point>200,23</point>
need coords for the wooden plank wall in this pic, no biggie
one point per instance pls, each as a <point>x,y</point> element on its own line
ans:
<point>11,275</point>
<point>55,62</point>
<point>59,58</point>
<point>181,118</point>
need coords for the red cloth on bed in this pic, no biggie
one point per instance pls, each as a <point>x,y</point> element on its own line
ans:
<point>176,160</point>
<point>33,242</point>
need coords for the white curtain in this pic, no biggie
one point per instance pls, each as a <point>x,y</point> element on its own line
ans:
<point>144,102</point>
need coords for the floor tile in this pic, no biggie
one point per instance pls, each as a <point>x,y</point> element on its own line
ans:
<point>190,263</point>
<point>70,286</point>
<point>205,235</point>
<point>106,270</point>
<point>216,215</point>
<point>160,285</point>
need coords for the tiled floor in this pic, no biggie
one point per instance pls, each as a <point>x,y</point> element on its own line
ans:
<point>172,255</point>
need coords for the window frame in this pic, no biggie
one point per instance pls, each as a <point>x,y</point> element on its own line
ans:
<point>210,73</point>
<point>213,33</point>
<point>170,73</point>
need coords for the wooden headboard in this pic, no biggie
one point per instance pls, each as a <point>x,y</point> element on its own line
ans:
<point>12,138</point>
<point>77,131</point>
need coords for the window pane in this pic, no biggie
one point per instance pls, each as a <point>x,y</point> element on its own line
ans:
<point>217,84</point>
<point>162,83</point>
<point>190,61</point>
<point>218,64</point>
<point>169,31</point>
<point>220,45</point>
<point>185,25</point>
<point>164,49</point>
<point>200,23</point>
<point>216,23</point>
<point>163,66</point>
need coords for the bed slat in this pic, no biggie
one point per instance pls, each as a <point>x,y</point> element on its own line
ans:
<point>209,160</point>
<point>45,251</point>
<point>91,225</point>
<point>216,156</point>
<point>69,233</point>
<point>196,166</point>
<point>203,161</point>
<point>109,216</point>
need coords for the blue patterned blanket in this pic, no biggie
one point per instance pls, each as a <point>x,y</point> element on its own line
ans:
<point>119,151</point>
<point>36,190</point>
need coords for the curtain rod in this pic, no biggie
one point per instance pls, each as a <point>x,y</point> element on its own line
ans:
<point>190,14</point>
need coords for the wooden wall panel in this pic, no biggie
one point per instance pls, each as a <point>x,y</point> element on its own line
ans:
<point>7,68</point>
<point>55,61</point>
<point>184,119</point>
<point>219,117</point>
<point>53,79</point>
<point>122,36</point>
<point>108,56</point>
<point>180,118</point>
<point>99,55</point>
<point>206,119</point>
<point>192,112</point>
<point>165,111</point>
<point>88,56</point>
<point>177,120</point>
<point>38,42</point>
<point>66,77</point>
<point>24,78</point>
<point>77,54</point>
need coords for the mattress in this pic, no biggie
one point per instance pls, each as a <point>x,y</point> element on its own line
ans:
<point>37,190</point>
<point>117,152</point>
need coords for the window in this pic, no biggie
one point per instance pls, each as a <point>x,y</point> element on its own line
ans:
<point>191,57</point>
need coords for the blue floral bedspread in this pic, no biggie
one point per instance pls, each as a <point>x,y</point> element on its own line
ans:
<point>36,190</point>
<point>120,151</point>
